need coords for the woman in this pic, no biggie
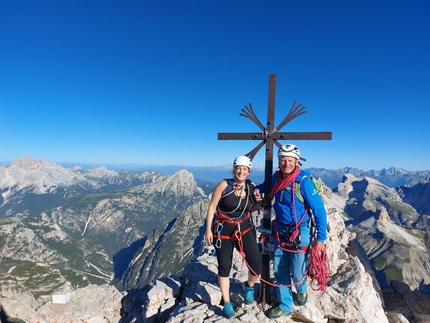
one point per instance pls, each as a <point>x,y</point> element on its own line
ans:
<point>231,205</point>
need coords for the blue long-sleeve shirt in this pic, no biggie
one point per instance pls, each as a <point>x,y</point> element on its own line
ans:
<point>288,212</point>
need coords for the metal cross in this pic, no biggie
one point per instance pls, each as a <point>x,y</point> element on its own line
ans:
<point>269,137</point>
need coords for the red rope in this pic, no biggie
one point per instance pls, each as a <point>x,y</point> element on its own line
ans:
<point>318,269</point>
<point>283,182</point>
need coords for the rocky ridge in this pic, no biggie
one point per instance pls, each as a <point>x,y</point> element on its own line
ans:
<point>70,246</point>
<point>417,196</point>
<point>388,230</point>
<point>155,258</point>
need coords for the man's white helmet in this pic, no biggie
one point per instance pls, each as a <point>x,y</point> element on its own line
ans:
<point>289,150</point>
<point>243,161</point>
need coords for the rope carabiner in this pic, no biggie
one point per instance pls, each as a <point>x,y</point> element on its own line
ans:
<point>237,233</point>
<point>219,228</point>
<point>294,235</point>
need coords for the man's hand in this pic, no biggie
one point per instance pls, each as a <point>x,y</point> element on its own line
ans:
<point>257,195</point>
<point>319,245</point>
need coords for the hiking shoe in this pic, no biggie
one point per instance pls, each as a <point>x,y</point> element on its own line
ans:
<point>277,312</point>
<point>229,311</point>
<point>249,294</point>
<point>302,298</point>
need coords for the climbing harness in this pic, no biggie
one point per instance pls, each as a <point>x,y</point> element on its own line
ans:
<point>235,236</point>
<point>291,239</point>
<point>237,233</point>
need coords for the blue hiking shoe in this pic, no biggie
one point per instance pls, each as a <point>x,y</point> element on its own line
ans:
<point>229,311</point>
<point>249,294</point>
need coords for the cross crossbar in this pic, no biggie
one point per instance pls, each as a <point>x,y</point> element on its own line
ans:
<point>277,135</point>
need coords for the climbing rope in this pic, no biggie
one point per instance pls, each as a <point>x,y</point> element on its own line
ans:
<point>319,269</point>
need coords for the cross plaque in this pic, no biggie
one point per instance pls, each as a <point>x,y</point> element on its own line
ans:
<point>269,137</point>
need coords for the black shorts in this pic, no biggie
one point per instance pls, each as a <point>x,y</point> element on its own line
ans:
<point>250,248</point>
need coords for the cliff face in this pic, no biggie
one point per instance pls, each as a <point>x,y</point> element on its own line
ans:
<point>427,236</point>
<point>417,195</point>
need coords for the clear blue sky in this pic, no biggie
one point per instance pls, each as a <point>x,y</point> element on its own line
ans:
<point>154,82</point>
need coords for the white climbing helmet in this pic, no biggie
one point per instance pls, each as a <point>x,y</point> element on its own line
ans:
<point>289,150</point>
<point>243,161</point>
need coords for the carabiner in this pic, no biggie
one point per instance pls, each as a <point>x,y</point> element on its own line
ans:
<point>219,227</point>
<point>294,235</point>
<point>218,243</point>
<point>238,235</point>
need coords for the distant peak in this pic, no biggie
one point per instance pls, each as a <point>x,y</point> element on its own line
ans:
<point>28,163</point>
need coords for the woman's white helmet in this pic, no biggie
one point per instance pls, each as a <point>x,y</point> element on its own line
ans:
<point>243,161</point>
<point>289,150</point>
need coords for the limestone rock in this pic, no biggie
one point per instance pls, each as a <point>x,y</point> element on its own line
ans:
<point>383,216</point>
<point>91,304</point>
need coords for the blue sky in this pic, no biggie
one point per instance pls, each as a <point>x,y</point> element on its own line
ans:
<point>154,82</point>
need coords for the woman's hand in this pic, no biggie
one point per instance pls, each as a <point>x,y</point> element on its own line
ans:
<point>209,237</point>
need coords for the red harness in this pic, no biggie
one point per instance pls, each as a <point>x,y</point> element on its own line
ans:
<point>237,233</point>
<point>235,236</point>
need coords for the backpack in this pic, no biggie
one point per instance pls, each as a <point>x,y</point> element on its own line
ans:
<point>318,186</point>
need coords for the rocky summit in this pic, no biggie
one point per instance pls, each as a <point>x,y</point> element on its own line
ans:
<point>194,295</point>
<point>352,295</point>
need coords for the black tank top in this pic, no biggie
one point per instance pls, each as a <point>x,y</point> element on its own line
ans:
<point>235,206</point>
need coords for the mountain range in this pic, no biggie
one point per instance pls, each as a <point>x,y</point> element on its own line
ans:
<point>391,177</point>
<point>68,228</point>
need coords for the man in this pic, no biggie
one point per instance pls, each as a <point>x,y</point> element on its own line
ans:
<point>293,228</point>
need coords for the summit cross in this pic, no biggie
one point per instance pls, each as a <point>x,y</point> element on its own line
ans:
<point>269,136</point>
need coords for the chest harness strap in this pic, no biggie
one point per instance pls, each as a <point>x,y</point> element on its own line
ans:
<point>289,242</point>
